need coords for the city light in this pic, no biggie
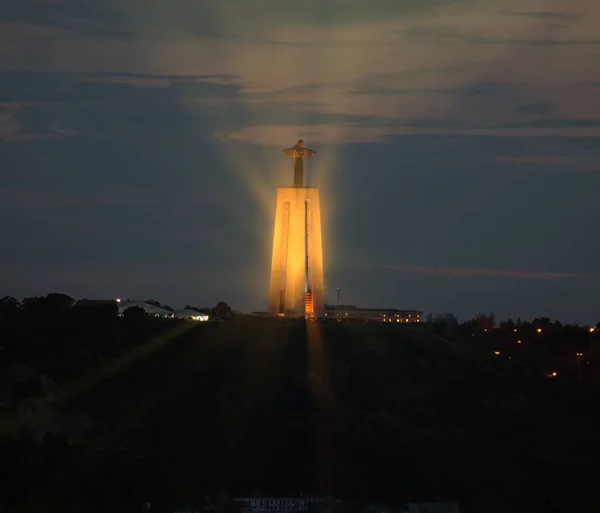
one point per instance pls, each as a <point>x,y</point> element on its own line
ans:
<point>496,353</point>
<point>519,342</point>
<point>539,330</point>
<point>553,374</point>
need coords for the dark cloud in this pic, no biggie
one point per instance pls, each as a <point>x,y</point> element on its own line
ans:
<point>546,15</point>
<point>478,271</point>
<point>115,184</point>
<point>554,123</point>
<point>538,109</point>
<point>125,20</point>
<point>452,35</point>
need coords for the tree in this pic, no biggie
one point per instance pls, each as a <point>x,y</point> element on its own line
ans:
<point>95,311</point>
<point>507,325</point>
<point>52,305</point>
<point>134,314</point>
<point>483,322</point>
<point>221,311</point>
<point>9,305</point>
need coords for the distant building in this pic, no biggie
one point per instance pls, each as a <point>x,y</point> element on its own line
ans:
<point>432,507</point>
<point>147,307</point>
<point>191,315</point>
<point>377,508</point>
<point>278,504</point>
<point>352,312</point>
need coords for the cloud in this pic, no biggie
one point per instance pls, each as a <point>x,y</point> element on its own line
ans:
<point>444,35</point>
<point>38,106</point>
<point>538,109</point>
<point>546,15</point>
<point>213,19</point>
<point>333,69</point>
<point>475,271</point>
<point>566,162</point>
<point>13,125</point>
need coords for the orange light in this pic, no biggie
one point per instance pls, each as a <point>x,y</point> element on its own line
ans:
<point>515,329</point>
<point>518,341</point>
<point>553,374</point>
<point>592,330</point>
<point>539,330</point>
<point>496,353</point>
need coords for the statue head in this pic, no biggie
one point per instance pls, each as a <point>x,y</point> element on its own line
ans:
<point>300,143</point>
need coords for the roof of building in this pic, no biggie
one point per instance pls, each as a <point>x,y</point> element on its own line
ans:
<point>147,307</point>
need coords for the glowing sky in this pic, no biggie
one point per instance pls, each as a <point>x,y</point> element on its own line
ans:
<point>459,150</point>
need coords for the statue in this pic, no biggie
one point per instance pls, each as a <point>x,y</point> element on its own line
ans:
<point>299,153</point>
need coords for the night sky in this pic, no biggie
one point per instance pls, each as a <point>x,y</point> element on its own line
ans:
<point>458,150</point>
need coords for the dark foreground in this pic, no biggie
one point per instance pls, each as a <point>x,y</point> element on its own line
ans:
<point>105,416</point>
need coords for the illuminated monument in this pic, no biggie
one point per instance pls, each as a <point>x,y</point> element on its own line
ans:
<point>297,264</point>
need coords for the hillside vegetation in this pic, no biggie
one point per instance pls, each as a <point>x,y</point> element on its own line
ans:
<point>104,413</point>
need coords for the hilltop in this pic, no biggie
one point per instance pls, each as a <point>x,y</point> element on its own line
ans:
<point>111,414</point>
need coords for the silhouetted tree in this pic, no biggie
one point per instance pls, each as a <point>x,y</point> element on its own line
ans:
<point>9,306</point>
<point>95,311</point>
<point>52,305</point>
<point>134,314</point>
<point>221,311</point>
<point>483,322</point>
<point>507,325</point>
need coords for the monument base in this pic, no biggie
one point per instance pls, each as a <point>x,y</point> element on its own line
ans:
<point>297,284</point>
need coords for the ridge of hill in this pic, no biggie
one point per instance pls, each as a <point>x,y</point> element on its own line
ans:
<point>170,411</point>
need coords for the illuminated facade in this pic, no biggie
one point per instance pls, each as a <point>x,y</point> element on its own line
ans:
<point>297,284</point>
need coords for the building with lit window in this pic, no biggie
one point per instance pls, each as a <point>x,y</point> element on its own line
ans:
<point>299,504</point>
<point>149,308</point>
<point>352,312</point>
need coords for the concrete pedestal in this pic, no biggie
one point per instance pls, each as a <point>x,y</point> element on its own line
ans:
<point>297,285</point>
